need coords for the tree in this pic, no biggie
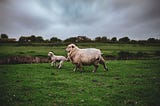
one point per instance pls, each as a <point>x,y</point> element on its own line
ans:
<point>32,38</point>
<point>101,39</point>
<point>39,39</point>
<point>23,39</point>
<point>104,39</point>
<point>55,40</point>
<point>71,40</point>
<point>114,39</point>
<point>98,39</point>
<point>133,41</point>
<point>151,40</point>
<point>124,40</point>
<point>4,36</point>
<point>83,39</point>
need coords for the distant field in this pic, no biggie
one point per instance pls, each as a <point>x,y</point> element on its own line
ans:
<point>107,49</point>
<point>128,82</point>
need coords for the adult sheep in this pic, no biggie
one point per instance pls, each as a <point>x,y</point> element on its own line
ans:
<point>55,59</point>
<point>89,56</point>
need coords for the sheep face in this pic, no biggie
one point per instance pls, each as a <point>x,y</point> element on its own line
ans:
<point>71,47</point>
<point>50,54</point>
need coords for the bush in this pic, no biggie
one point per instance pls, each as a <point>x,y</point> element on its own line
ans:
<point>125,55</point>
<point>157,53</point>
<point>140,54</point>
<point>124,40</point>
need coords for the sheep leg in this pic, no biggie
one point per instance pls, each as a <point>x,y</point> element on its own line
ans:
<point>55,64</point>
<point>75,69</point>
<point>60,64</point>
<point>102,61</point>
<point>52,63</point>
<point>78,66</point>
<point>95,67</point>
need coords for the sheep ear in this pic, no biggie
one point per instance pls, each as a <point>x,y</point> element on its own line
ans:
<point>51,51</point>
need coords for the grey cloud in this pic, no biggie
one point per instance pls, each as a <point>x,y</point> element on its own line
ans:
<point>16,15</point>
<point>76,12</point>
<point>137,19</point>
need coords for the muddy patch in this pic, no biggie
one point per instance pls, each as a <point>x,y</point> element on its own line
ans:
<point>23,60</point>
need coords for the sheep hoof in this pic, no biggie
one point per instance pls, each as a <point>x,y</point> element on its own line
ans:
<point>74,70</point>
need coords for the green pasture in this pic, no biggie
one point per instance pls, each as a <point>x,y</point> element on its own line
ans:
<point>128,82</point>
<point>107,49</point>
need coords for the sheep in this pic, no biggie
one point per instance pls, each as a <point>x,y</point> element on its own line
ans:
<point>55,59</point>
<point>89,56</point>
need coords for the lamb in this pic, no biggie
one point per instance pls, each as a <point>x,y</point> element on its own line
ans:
<point>55,59</point>
<point>89,56</point>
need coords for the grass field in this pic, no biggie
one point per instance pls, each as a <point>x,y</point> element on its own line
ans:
<point>107,49</point>
<point>128,82</point>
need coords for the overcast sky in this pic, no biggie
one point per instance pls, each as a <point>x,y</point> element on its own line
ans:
<point>137,19</point>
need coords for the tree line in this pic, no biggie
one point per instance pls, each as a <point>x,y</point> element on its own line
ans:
<point>79,39</point>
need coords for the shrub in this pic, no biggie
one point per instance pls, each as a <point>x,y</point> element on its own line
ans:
<point>157,53</point>
<point>123,55</point>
